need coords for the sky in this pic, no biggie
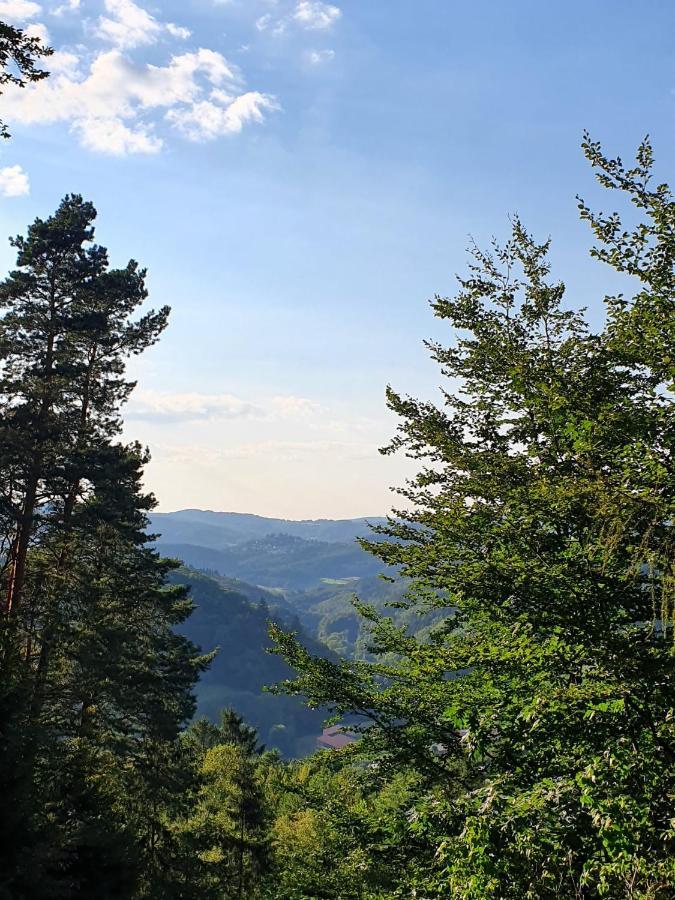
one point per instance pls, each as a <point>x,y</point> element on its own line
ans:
<point>300,178</point>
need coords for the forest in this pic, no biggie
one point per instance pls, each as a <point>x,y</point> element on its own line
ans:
<point>521,744</point>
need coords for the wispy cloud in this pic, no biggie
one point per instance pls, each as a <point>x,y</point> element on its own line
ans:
<point>67,7</point>
<point>290,406</point>
<point>317,57</point>
<point>311,15</point>
<point>178,31</point>
<point>110,106</point>
<point>127,25</point>
<point>163,406</point>
<point>221,114</point>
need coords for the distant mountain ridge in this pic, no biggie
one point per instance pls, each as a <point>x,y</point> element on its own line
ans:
<point>249,575</point>
<point>275,553</point>
<point>208,528</point>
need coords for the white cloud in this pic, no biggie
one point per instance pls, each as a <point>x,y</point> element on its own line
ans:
<point>127,25</point>
<point>178,31</point>
<point>315,15</point>
<point>311,15</point>
<point>109,106</point>
<point>269,23</point>
<point>207,119</point>
<point>290,406</point>
<point>164,406</point>
<point>13,182</point>
<point>317,57</point>
<point>18,11</point>
<point>62,62</point>
<point>114,137</point>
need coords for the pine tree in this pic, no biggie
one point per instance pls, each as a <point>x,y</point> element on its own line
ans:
<point>222,836</point>
<point>65,335</point>
<point>96,682</point>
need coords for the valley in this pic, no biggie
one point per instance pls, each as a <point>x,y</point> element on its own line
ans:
<point>246,571</point>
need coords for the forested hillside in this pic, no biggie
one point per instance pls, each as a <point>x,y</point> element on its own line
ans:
<point>513,716</point>
<point>307,581</point>
<point>332,612</point>
<point>236,626</point>
<point>279,561</point>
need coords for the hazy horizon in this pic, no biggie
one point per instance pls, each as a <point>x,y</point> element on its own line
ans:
<point>239,512</point>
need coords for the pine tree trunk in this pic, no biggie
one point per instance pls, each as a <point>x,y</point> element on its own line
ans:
<point>67,524</point>
<point>19,552</point>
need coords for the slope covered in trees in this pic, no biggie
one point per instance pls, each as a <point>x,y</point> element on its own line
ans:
<point>332,612</point>
<point>279,561</point>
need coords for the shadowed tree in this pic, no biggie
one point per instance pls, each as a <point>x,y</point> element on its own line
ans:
<point>96,682</point>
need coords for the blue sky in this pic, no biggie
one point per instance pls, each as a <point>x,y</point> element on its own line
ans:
<point>300,178</point>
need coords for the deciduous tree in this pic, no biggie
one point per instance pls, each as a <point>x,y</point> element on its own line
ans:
<point>541,712</point>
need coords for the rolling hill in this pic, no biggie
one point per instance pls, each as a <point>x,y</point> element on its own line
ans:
<point>278,561</point>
